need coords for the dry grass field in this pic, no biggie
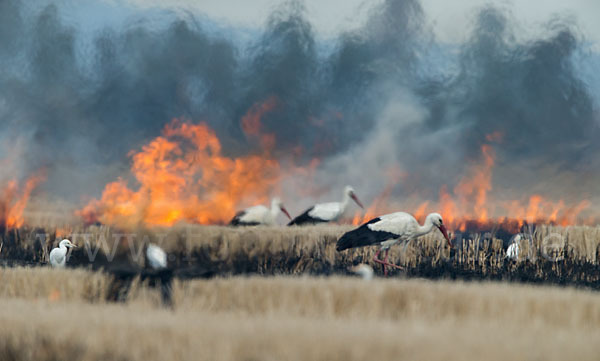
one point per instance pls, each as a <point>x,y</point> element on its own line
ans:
<point>62,315</point>
<point>306,309</point>
<point>556,255</point>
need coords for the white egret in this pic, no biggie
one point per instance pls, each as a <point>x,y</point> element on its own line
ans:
<point>58,256</point>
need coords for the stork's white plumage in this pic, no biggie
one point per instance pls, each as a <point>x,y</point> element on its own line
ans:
<point>388,230</point>
<point>327,212</point>
<point>260,215</point>
<point>58,256</point>
<point>156,257</point>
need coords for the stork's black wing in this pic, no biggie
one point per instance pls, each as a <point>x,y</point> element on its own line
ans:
<point>363,236</point>
<point>305,218</point>
<point>237,220</point>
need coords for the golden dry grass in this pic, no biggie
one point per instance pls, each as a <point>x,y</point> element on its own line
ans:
<point>293,318</point>
<point>558,255</point>
<point>53,284</point>
<point>582,241</point>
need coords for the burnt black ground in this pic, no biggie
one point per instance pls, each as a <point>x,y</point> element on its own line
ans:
<point>21,249</point>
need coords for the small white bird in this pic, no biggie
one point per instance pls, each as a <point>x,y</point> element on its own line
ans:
<point>363,270</point>
<point>388,230</point>
<point>156,258</point>
<point>512,252</point>
<point>514,248</point>
<point>260,215</point>
<point>327,212</point>
<point>58,256</point>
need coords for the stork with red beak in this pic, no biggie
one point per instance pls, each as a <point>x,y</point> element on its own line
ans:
<point>260,215</point>
<point>388,230</point>
<point>327,212</point>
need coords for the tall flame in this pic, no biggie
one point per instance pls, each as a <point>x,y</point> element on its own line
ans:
<point>13,200</point>
<point>183,176</point>
<point>470,200</point>
<point>473,189</point>
<point>252,125</point>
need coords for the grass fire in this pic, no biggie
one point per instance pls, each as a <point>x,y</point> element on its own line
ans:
<point>299,181</point>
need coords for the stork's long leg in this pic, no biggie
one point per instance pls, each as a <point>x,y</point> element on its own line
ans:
<point>385,261</point>
<point>377,260</point>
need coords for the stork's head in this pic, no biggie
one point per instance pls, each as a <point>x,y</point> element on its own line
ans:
<point>276,203</point>
<point>349,191</point>
<point>437,221</point>
<point>66,243</point>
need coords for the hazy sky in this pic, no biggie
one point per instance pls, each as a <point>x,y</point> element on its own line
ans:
<point>449,19</point>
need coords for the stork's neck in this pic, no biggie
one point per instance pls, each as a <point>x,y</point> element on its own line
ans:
<point>426,227</point>
<point>275,209</point>
<point>344,203</point>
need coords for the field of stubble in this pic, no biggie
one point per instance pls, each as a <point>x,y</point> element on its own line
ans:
<point>267,298</point>
<point>62,315</point>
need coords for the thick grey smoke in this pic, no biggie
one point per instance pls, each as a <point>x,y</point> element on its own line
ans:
<point>528,90</point>
<point>367,104</point>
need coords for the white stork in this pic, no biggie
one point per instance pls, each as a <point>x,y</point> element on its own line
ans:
<point>327,212</point>
<point>260,215</point>
<point>58,256</point>
<point>156,258</point>
<point>388,230</point>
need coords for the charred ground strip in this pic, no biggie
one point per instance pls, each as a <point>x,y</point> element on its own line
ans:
<point>262,251</point>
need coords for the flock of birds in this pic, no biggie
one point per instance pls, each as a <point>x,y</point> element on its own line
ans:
<point>319,213</point>
<point>156,257</point>
<point>384,231</point>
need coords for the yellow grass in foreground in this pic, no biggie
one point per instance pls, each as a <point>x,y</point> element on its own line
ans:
<point>48,314</point>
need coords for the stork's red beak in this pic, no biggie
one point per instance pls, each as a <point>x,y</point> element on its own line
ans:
<point>356,200</point>
<point>445,233</point>
<point>286,212</point>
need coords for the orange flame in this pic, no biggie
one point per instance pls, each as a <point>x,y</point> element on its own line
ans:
<point>13,202</point>
<point>252,125</point>
<point>470,201</point>
<point>183,176</point>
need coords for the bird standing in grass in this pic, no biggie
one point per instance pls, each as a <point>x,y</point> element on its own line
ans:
<point>388,230</point>
<point>156,258</point>
<point>327,212</point>
<point>260,215</point>
<point>516,245</point>
<point>513,249</point>
<point>58,256</point>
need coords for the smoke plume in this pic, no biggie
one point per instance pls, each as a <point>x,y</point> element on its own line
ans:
<point>377,106</point>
